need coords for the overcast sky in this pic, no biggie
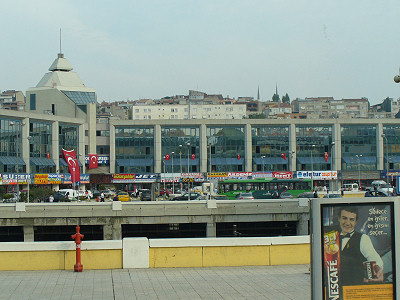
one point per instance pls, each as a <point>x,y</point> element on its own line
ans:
<point>151,49</point>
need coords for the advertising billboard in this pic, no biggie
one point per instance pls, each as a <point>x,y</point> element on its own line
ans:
<point>353,249</point>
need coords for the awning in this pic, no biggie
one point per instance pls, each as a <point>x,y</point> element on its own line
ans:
<point>316,160</point>
<point>64,163</point>
<point>363,159</point>
<point>11,161</point>
<point>134,162</point>
<point>226,161</point>
<point>41,161</point>
<point>270,161</point>
<point>177,162</point>
<point>393,159</point>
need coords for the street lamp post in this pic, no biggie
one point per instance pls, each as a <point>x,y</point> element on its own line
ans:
<point>28,171</point>
<point>332,147</point>
<point>262,157</point>
<point>188,154</point>
<point>180,164</point>
<point>359,170</point>
<point>210,170</point>
<point>312,167</point>
<point>173,176</point>
<point>165,191</point>
<point>387,158</point>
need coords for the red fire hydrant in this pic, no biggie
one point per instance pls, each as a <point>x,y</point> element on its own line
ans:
<point>78,267</point>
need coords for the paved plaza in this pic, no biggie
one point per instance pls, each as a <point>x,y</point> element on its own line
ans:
<point>265,282</point>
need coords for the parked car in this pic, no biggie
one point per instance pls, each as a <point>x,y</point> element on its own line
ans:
<point>220,197</point>
<point>123,196</point>
<point>285,195</point>
<point>145,195</point>
<point>332,195</point>
<point>96,194</point>
<point>376,194</point>
<point>306,195</point>
<point>185,197</point>
<point>60,197</point>
<point>244,196</point>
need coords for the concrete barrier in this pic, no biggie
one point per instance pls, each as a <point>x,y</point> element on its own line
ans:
<point>156,253</point>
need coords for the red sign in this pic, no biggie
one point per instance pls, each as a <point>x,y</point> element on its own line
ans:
<point>282,175</point>
<point>238,156</point>
<point>70,158</point>
<point>326,156</point>
<point>283,155</point>
<point>167,156</point>
<point>193,156</point>
<point>93,161</point>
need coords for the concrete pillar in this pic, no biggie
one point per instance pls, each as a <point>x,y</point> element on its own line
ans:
<point>248,164</point>
<point>112,148</point>
<point>56,143</point>
<point>81,154</point>
<point>116,229</point>
<point>29,235</point>
<point>292,148</point>
<point>380,146</point>
<point>211,228</point>
<point>157,149</point>
<point>108,232</point>
<point>203,148</point>
<point>25,144</point>
<point>303,224</point>
<point>337,148</point>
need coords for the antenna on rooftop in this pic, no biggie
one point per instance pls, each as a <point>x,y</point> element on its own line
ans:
<point>60,41</point>
<point>60,55</point>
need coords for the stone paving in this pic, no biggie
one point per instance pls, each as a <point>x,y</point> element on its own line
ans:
<point>265,282</point>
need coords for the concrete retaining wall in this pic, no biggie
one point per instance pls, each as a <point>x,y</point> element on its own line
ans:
<point>156,253</point>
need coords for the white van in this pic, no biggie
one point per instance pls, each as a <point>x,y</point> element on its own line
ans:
<point>352,187</point>
<point>72,194</point>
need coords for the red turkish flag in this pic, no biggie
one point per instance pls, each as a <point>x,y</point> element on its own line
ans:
<point>70,158</point>
<point>326,156</point>
<point>167,156</point>
<point>48,155</point>
<point>238,156</point>
<point>93,161</point>
<point>283,155</point>
<point>193,156</point>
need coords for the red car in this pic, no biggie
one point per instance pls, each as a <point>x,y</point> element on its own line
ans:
<point>165,192</point>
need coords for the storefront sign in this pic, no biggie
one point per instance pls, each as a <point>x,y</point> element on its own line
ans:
<point>262,175</point>
<point>41,179</point>
<point>123,178</point>
<point>317,175</point>
<point>239,175</point>
<point>283,175</point>
<point>10,178</point>
<point>145,177</point>
<point>54,178</point>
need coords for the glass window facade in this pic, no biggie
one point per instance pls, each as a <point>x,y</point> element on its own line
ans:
<point>391,149</point>
<point>226,143</point>
<point>268,143</point>
<point>358,147</point>
<point>185,143</point>
<point>134,149</point>
<point>311,144</point>
<point>68,136</point>
<point>10,144</point>
<point>40,145</point>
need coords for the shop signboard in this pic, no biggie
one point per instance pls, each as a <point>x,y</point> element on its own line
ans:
<point>11,178</point>
<point>145,178</point>
<point>317,175</point>
<point>123,178</point>
<point>256,175</point>
<point>354,248</point>
<point>41,179</point>
<point>239,175</point>
<point>283,175</point>
<point>54,178</point>
<point>101,160</point>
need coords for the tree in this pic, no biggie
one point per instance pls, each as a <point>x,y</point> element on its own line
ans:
<point>275,97</point>
<point>286,99</point>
